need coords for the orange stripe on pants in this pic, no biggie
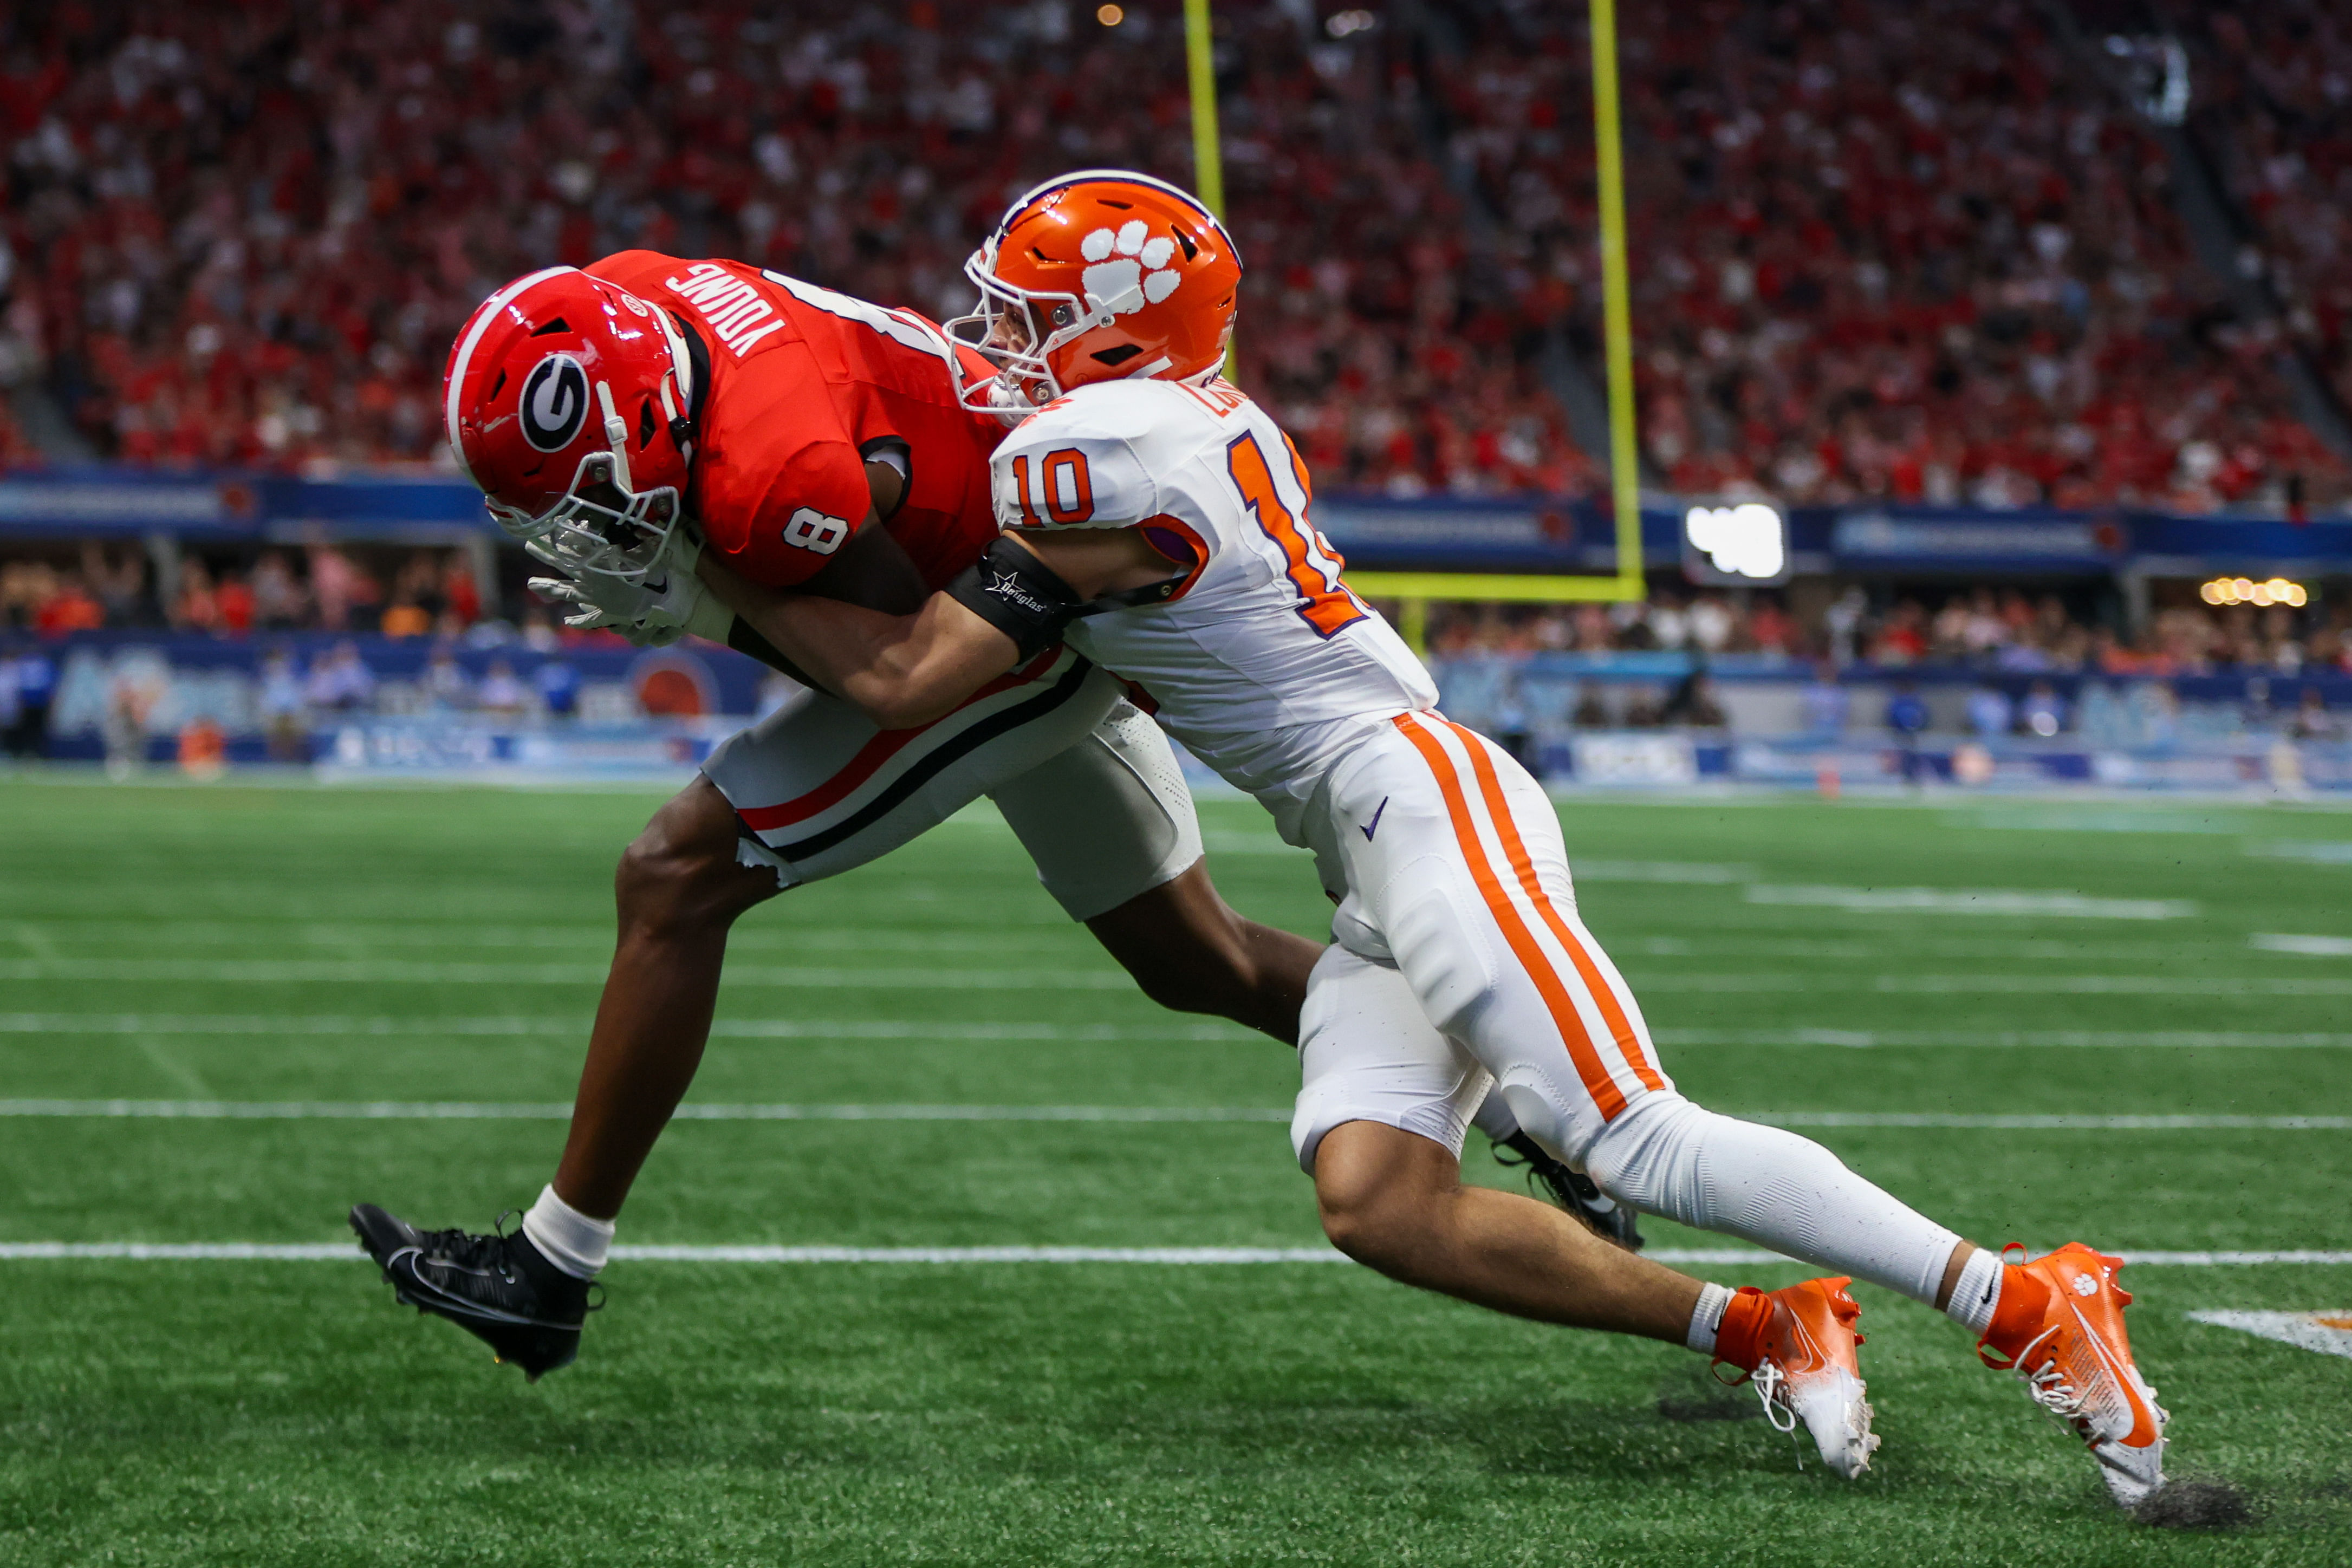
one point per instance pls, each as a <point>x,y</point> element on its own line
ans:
<point>1621,1028</point>
<point>1597,1080</point>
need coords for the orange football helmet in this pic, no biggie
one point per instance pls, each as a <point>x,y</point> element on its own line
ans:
<point>1103,274</point>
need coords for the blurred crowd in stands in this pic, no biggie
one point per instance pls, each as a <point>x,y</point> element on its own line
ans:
<point>2005,630</point>
<point>409,593</point>
<point>1918,251</point>
<point>2273,99</point>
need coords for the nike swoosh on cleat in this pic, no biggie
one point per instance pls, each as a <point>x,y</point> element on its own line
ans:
<point>1376,819</point>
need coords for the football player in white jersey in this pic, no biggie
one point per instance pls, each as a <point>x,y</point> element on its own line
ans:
<point>1157,519</point>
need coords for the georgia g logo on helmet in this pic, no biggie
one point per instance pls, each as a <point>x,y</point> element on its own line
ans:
<point>553,403</point>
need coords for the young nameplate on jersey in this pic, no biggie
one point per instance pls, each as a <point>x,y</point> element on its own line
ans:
<point>1158,520</point>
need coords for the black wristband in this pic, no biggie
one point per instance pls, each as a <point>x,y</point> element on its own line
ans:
<point>1019,595</point>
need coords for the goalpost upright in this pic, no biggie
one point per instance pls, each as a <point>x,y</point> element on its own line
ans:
<point>1417,588</point>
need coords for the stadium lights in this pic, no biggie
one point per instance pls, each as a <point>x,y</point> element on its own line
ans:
<point>1340,23</point>
<point>2244,590</point>
<point>1110,15</point>
<point>1743,544</point>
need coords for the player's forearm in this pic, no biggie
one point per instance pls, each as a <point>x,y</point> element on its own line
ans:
<point>902,670</point>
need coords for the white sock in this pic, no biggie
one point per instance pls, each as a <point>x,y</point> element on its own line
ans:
<point>569,1238</point>
<point>1977,1293</point>
<point>1707,1318</point>
<point>1667,1157</point>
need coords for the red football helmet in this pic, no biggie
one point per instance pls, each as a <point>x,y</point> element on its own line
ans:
<point>1103,274</point>
<point>567,402</point>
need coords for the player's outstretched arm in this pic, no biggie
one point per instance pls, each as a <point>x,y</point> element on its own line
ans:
<point>904,671</point>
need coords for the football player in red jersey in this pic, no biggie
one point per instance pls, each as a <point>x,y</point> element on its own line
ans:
<point>824,443</point>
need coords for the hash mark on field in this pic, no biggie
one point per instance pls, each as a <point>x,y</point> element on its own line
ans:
<point>347,1252</point>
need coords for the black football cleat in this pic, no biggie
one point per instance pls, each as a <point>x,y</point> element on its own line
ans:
<point>498,1287</point>
<point>1572,1190</point>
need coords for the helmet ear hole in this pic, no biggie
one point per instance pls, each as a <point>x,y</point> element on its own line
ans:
<point>1118,355</point>
<point>647,425</point>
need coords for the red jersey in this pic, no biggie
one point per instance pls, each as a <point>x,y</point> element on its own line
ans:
<point>805,383</point>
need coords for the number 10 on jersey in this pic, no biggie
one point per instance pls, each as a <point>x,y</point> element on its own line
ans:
<point>1310,562</point>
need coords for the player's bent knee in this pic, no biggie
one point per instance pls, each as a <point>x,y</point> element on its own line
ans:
<point>1374,1186</point>
<point>682,871</point>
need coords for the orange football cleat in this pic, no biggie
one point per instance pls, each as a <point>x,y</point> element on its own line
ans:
<point>2067,1341</point>
<point>1798,1344</point>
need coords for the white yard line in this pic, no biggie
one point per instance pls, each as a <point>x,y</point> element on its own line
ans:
<point>2307,947</point>
<point>348,1251</point>
<point>328,971</point>
<point>533,1111</point>
<point>311,972</point>
<point>275,936</point>
<point>237,1024</point>
<point>728,1028</point>
<point>529,1111</point>
<point>2001,901</point>
<point>1665,981</point>
<point>2004,1040</point>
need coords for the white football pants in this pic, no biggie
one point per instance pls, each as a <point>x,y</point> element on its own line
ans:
<point>1086,782</point>
<point>1461,965</point>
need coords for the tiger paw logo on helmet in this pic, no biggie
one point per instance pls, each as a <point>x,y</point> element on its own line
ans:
<point>1126,282</point>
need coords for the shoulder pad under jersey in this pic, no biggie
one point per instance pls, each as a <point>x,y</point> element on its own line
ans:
<point>1094,458</point>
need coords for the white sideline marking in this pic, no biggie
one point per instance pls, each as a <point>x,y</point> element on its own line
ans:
<point>528,1111</point>
<point>302,971</point>
<point>2006,901</point>
<point>2302,1330</point>
<point>2037,1040</point>
<point>730,1029</point>
<point>348,1251</point>
<point>2309,946</point>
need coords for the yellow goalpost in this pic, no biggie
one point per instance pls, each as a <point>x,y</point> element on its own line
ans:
<point>1417,588</point>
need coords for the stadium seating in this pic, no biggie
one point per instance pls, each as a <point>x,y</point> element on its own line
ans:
<point>245,235</point>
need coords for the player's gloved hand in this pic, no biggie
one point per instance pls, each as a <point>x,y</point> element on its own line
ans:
<point>655,611</point>
<point>609,605</point>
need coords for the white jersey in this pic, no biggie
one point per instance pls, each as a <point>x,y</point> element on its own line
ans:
<point>1262,662</point>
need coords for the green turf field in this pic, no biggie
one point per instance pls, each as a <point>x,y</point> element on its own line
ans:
<point>339,945</point>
